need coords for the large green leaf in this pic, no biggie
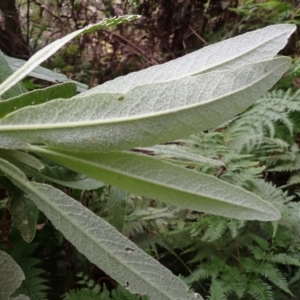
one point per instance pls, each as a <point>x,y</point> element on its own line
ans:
<point>101,243</point>
<point>11,275</point>
<point>64,90</point>
<point>50,49</point>
<point>146,115</point>
<point>230,54</point>
<point>153,178</point>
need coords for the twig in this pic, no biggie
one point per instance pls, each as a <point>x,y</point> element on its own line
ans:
<point>197,35</point>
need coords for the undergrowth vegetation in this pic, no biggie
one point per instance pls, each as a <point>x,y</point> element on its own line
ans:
<point>258,151</point>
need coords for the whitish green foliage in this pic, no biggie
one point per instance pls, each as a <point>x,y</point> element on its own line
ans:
<point>195,92</point>
<point>12,275</point>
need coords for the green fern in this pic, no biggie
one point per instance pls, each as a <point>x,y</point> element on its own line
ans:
<point>271,112</point>
<point>216,291</point>
<point>119,293</point>
<point>35,285</point>
<point>259,290</point>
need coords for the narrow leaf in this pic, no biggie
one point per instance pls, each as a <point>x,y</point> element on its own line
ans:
<point>45,74</point>
<point>65,90</point>
<point>24,213</point>
<point>6,71</point>
<point>117,208</point>
<point>252,47</point>
<point>11,275</point>
<point>153,178</point>
<point>66,177</point>
<point>179,153</point>
<point>32,166</point>
<point>101,243</point>
<point>146,115</point>
<point>50,49</point>
<point>21,159</point>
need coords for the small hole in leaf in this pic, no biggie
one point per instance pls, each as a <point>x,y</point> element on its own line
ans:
<point>129,250</point>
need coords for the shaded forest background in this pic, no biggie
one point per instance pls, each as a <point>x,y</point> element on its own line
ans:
<point>235,258</point>
<point>167,29</point>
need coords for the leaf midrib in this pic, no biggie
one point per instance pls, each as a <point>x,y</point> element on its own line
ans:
<point>67,216</point>
<point>24,127</point>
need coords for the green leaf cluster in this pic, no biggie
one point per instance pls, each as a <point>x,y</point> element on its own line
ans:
<point>50,137</point>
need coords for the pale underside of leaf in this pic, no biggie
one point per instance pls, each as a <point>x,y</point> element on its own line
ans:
<point>146,115</point>
<point>179,153</point>
<point>11,275</point>
<point>45,74</point>
<point>6,71</point>
<point>252,47</point>
<point>101,243</point>
<point>153,178</point>
<point>50,49</point>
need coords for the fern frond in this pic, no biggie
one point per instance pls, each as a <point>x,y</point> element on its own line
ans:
<point>295,278</point>
<point>216,291</point>
<point>234,226</point>
<point>259,290</point>
<point>263,244</point>
<point>272,273</point>
<point>84,294</point>
<point>122,294</point>
<point>263,118</point>
<point>215,231</point>
<point>283,258</point>
<point>204,271</point>
<point>257,252</point>
<point>293,180</point>
<point>34,286</point>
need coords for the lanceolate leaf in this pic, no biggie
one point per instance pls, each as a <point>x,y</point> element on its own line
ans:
<point>146,115</point>
<point>50,49</point>
<point>45,74</point>
<point>66,177</point>
<point>65,90</point>
<point>181,155</point>
<point>24,213</point>
<point>252,47</point>
<point>6,71</point>
<point>32,166</point>
<point>153,178</point>
<point>101,243</point>
<point>117,208</point>
<point>21,159</point>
